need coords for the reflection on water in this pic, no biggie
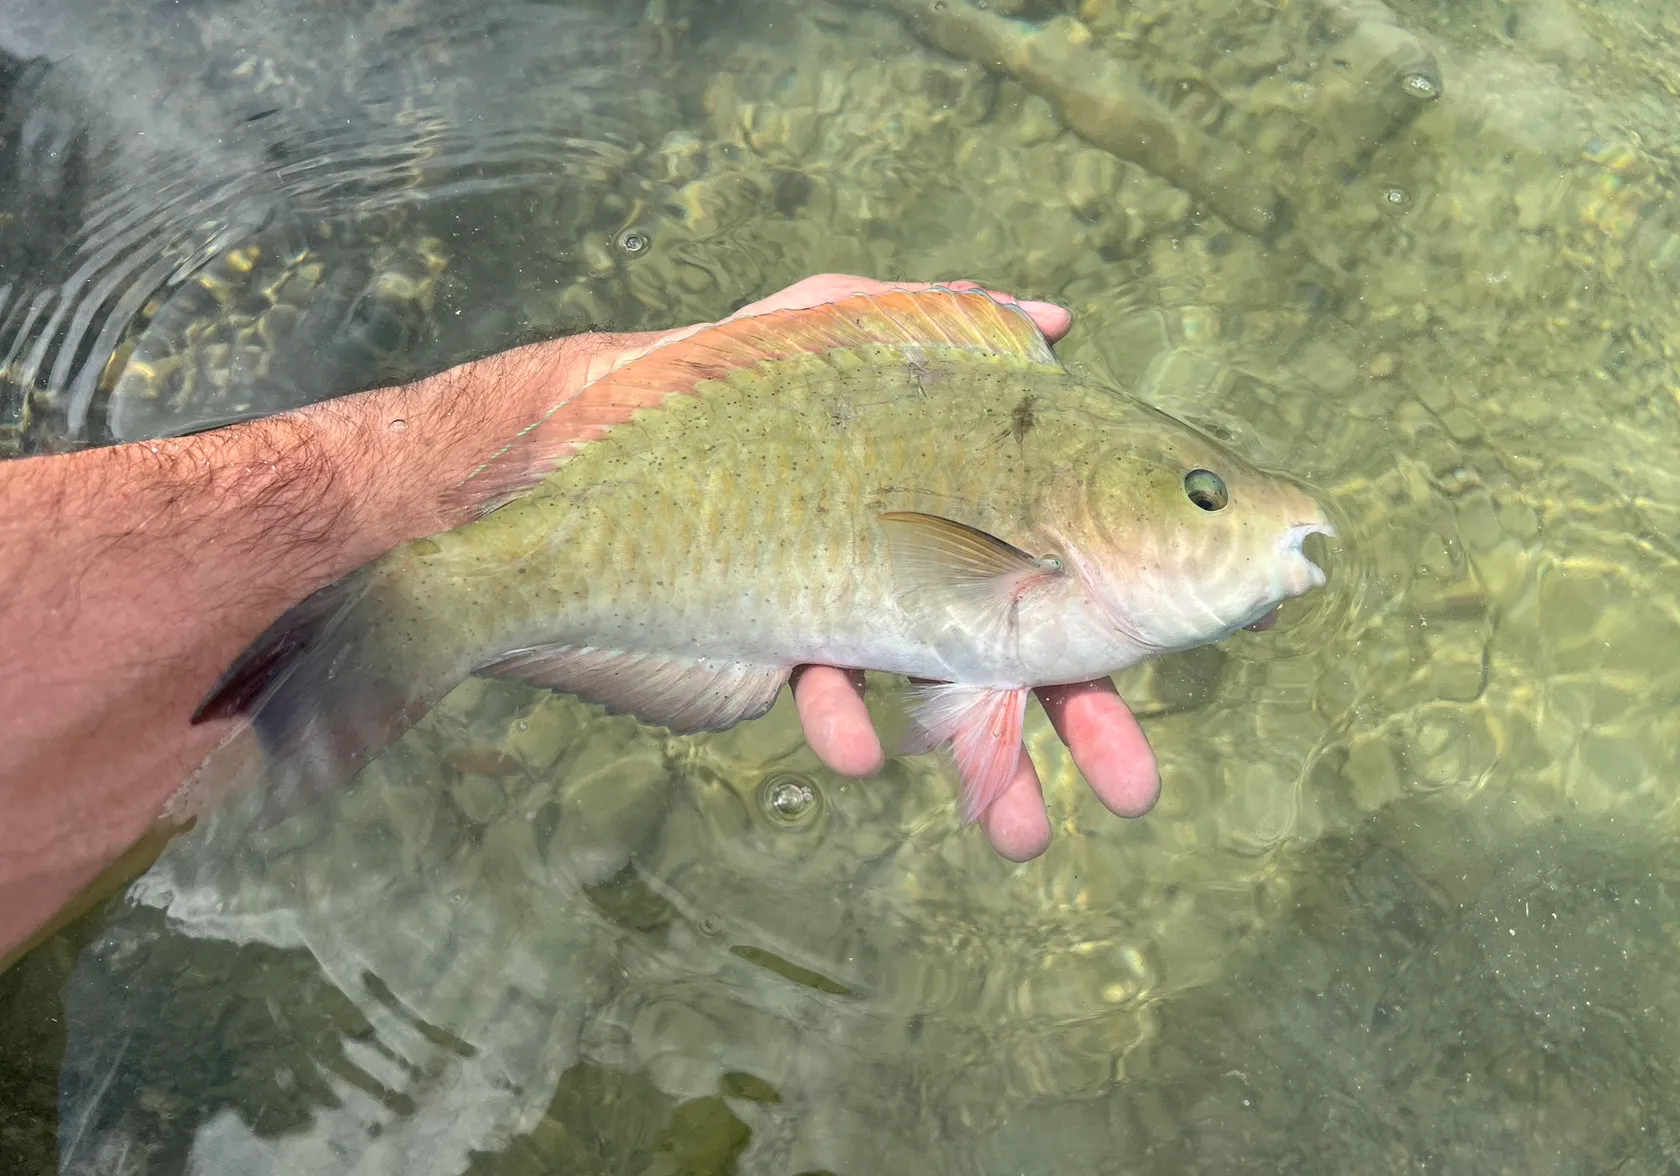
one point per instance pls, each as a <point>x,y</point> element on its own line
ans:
<point>231,208</point>
<point>1405,904</point>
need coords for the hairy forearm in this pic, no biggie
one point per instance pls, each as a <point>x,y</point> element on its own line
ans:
<point>130,576</point>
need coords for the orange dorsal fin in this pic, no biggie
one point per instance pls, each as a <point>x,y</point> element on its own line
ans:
<point>925,324</point>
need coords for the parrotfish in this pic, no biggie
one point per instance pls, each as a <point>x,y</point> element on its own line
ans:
<point>908,482</point>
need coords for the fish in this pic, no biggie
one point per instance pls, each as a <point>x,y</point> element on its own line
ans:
<point>909,482</point>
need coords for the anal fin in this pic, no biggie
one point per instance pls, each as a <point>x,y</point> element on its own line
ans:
<point>983,726</point>
<point>684,695</point>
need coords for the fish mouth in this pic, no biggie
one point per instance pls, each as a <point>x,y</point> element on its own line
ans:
<point>1308,575</point>
<point>1297,576</point>
<point>1268,619</point>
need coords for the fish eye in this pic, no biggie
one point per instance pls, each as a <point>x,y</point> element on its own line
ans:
<point>1206,489</point>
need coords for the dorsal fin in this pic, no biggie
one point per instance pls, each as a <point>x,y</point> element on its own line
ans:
<point>923,324</point>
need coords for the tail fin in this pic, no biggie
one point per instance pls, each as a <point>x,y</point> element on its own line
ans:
<point>329,686</point>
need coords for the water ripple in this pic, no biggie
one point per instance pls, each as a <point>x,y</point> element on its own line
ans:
<point>172,174</point>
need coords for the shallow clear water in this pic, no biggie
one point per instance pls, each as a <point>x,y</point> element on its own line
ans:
<point>1407,903</point>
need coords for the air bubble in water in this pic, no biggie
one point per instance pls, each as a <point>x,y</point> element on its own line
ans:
<point>787,800</point>
<point>1421,85</point>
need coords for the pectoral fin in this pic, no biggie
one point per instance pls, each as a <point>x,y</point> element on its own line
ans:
<point>949,573</point>
<point>983,727</point>
<point>684,695</point>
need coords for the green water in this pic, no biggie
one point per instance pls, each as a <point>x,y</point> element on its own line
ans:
<point>1408,902</point>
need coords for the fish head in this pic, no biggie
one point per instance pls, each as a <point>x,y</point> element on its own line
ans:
<point>1186,542</point>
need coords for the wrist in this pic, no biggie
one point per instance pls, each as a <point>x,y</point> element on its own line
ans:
<point>396,450</point>
<point>408,445</point>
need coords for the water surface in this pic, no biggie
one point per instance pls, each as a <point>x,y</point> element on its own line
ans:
<point>1407,903</point>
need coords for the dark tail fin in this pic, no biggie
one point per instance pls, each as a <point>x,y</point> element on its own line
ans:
<point>330,685</point>
<point>256,675</point>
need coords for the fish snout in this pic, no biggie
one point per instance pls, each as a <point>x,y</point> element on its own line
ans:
<point>1303,574</point>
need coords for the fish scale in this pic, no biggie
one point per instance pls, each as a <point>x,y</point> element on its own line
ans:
<point>910,483</point>
<point>660,518</point>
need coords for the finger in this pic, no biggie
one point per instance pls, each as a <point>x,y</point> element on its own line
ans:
<point>1109,748</point>
<point>1016,823</point>
<point>819,289</point>
<point>1053,320</point>
<point>836,723</point>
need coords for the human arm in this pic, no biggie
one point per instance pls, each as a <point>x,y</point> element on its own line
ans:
<point>132,575</point>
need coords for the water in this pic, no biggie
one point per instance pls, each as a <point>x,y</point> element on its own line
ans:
<point>235,207</point>
<point>1407,903</point>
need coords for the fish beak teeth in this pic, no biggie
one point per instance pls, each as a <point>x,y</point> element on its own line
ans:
<point>1294,537</point>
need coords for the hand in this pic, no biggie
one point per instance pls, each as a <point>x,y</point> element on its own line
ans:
<point>1107,744</point>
